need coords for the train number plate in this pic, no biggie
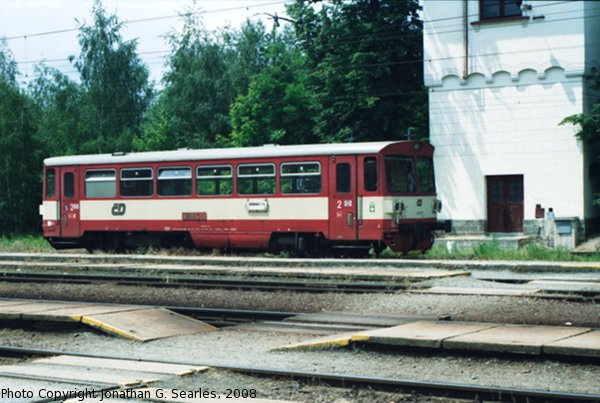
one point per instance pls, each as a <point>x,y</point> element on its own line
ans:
<point>201,216</point>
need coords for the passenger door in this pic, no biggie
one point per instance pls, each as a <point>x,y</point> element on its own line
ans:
<point>342,198</point>
<point>69,202</point>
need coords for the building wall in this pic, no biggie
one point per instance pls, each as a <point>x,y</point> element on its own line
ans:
<point>501,115</point>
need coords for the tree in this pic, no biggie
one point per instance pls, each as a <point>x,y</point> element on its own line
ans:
<point>366,62</point>
<point>115,87</point>
<point>278,107</point>
<point>206,72</point>
<point>20,163</point>
<point>57,100</point>
<point>588,131</point>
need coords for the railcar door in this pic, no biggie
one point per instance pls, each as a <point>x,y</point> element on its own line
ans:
<point>69,202</point>
<point>342,198</point>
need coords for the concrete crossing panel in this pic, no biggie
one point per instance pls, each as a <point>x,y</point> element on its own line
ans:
<point>146,324</point>
<point>581,345</point>
<point>520,339</point>
<point>427,334</point>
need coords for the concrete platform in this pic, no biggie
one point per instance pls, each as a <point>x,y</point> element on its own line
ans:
<point>475,291</point>
<point>425,334</point>
<point>453,243</point>
<point>582,345</point>
<point>125,365</point>
<point>364,273</point>
<point>165,395</point>
<point>521,339</point>
<point>563,286</point>
<point>69,374</point>
<point>141,324</point>
<point>76,375</point>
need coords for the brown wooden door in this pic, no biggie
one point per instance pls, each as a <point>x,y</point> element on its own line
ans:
<point>505,203</point>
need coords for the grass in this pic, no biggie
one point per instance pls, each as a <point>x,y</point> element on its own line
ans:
<point>490,250</point>
<point>24,243</point>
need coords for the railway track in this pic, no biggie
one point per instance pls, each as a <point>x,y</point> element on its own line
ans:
<point>205,282</point>
<point>297,275</point>
<point>412,386</point>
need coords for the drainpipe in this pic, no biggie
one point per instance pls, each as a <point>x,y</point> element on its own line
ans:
<point>466,38</point>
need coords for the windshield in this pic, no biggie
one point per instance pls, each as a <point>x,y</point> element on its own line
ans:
<point>425,174</point>
<point>400,174</point>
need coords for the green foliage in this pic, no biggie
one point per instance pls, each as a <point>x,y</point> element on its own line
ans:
<point>278,106</point>
<point>24,243</point>
<point>194,106</point>
<point>115,88</point>
<point>588,124</point>
<point>365,61</point>
<point>492,250</point>
<point>58,105</point>
<point>20,161</point>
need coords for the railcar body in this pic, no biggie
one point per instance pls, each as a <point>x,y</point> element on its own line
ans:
<point>304,197</point>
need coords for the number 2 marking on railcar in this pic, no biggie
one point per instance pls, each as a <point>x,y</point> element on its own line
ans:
<point>339,204</point>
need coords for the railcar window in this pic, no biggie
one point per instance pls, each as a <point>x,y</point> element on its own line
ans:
<point>256,179</point>
<point>214,180</point>
<point>300,177</point>
<point>425,174</point>
<point>137,182</point>
<point>370,174</point>
<point>342,178</point>
<point>399,174</point>
<point>101,183</point>
<point>174,181</point>
<point>69,185</point>
<point>50,182</point>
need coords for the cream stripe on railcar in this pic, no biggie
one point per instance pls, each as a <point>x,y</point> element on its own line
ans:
<point>378,208</point>
<point>293,208</point>
<point>49,210</point>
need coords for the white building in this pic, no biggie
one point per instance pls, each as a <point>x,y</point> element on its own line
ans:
<point>501,75</point>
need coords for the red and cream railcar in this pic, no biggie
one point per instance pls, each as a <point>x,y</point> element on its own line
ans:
<point>302,197</point>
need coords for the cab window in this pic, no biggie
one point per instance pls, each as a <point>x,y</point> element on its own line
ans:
<point>400,174</point>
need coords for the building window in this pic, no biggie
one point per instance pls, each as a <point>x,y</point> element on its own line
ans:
<point>174,181</point>
<point>300,177</point>
<point>493,9</point>
<point>370,174</point>
<point>137,182</point>
<point>214,180</point>
<point>257,179</point>
<point>101,183</point>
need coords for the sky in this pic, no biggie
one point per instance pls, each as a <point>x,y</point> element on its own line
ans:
<point>29,27</point>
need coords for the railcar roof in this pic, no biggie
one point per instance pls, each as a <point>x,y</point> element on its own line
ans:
<point>267,151</point>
